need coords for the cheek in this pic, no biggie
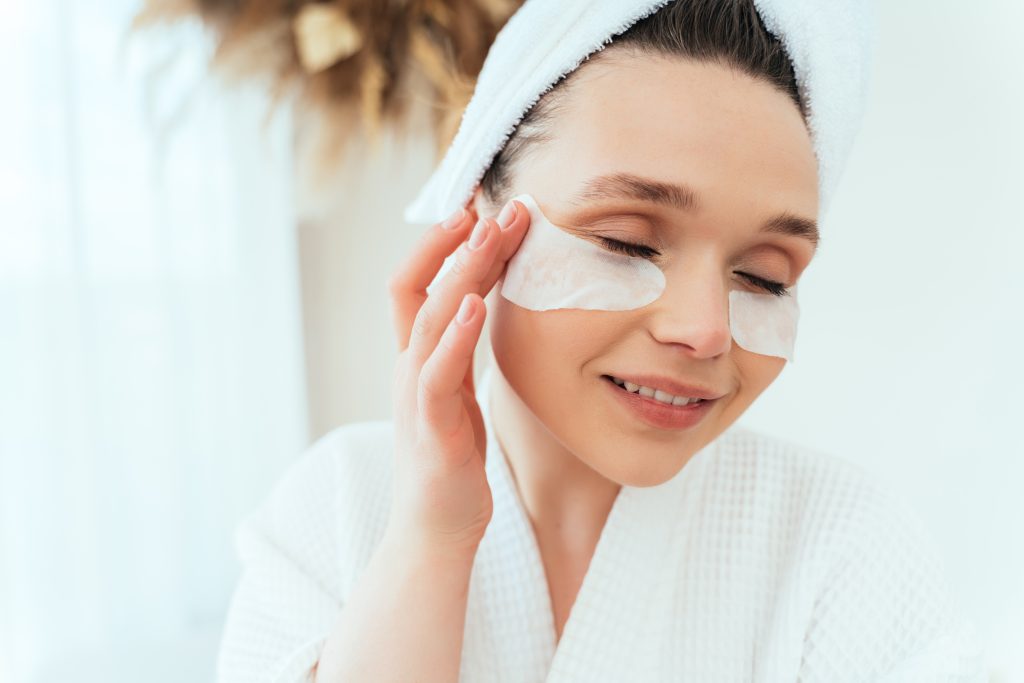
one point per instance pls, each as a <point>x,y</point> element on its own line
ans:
<point>537,350</point>
<point>528,343</point>
<point>756,373</point>
<point>515,346</point>
<point>753,374</point>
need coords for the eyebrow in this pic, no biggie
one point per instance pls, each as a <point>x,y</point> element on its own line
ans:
<point>684,198</point>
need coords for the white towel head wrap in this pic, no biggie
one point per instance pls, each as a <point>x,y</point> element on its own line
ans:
<point>829,42</point>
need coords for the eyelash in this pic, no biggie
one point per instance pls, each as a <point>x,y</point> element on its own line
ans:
<point>771,286</point>
<point>630,249</point>
<point>643,251</point>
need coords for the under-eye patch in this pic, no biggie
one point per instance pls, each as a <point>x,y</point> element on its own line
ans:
<point>554,269</point>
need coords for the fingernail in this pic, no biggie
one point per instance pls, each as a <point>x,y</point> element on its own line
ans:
<point>479,234</point>
<point>465,311</point>
<point>455,219</point>
<point>507,215</point>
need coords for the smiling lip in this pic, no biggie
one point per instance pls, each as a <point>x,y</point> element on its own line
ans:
<point>663,416</point>
<point>657,414</point>
<point>670,386</point>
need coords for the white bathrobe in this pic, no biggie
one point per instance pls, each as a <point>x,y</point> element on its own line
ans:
<point>759,561</point>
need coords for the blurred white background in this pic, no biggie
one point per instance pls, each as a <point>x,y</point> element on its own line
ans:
<point>909,357</point>
<point>151,377</point>
<point>179,318</point>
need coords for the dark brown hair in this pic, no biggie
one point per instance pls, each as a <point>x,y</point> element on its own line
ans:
<point>725,32</point>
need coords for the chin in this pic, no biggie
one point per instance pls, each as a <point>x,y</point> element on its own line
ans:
<point>629,457</point>
<point>643,474</point>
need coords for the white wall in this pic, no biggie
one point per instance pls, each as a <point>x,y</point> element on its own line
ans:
<point>909,356</point>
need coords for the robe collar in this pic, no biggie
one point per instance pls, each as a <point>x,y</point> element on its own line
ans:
<point>510,633</point>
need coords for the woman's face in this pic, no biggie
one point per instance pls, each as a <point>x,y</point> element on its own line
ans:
<point>741,147</point>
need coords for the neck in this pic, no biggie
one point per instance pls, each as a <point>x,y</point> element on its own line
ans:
<point>565,499</point>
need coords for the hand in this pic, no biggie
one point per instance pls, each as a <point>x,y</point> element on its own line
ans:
<point>441,495</point>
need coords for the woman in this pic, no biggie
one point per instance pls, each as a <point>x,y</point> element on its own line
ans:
<point>562,520</point>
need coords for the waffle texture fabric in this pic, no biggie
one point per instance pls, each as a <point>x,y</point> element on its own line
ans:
<point>759,561</point>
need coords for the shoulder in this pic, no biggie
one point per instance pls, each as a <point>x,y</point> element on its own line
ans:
<point>785,461</point>
<point>352,463</point>
<point>329,509</point>
<point>878,598</point>
<point>301,551</point>
<point>356,456</point>
<point>825,499</point>
<point>826,513</point>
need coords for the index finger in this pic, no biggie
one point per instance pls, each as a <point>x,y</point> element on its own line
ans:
<point>408,285</point>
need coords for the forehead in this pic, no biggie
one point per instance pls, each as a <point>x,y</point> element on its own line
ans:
<point>730,136</point>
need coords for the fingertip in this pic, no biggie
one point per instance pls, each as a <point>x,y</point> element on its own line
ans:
<point>482,234</point>
<point>478,304</point>
<point>467,309</point>
<point>442,236</point>
<point>465,324</point>
<point>514,234</point>
<point>522,219</point>
<point>456,220</point>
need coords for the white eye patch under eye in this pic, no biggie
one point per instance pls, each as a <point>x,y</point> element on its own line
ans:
<point>554,269</point>
<point>764,323</point>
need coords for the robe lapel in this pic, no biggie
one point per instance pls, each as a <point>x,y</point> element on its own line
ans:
<point>606,637</point>
<point>510,624</point>
<point>516,610</point>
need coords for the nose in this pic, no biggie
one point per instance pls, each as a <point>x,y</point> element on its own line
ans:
<point>693,313</point>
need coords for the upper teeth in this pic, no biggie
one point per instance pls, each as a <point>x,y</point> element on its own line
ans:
<point>656,394</point>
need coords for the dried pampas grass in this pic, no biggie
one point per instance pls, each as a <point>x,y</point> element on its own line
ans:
<point>358,65</point>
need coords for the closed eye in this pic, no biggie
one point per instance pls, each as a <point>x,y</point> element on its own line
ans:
<point>629,248</point>
<point>770,286</point>
<point>643,251</point>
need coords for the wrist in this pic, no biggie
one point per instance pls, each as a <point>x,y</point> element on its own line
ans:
<point>423,549</point>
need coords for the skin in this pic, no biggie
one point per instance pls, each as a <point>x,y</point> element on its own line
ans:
<point>743,146</point>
